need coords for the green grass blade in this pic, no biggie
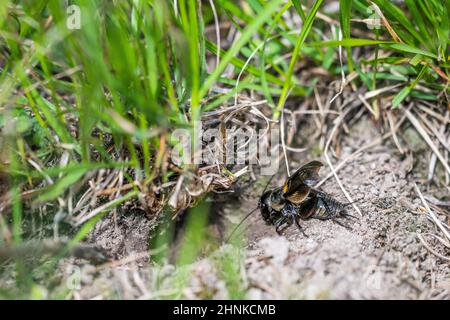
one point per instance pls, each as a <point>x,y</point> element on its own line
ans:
<point>301,39</point>
<point>352,42</point>
<point>246,35</point>
<point>239,63</point>
<point>345,11</point>
<point>409,49</point>
<point>194,233</point>
<point>419,21</point>
<point>262,67</point>
<point>407,90</point>
<point>298,7</point>
<point>61,185</point>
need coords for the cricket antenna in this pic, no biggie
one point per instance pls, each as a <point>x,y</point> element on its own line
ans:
<point>267,184</point>
<point>248,214</point>
<point>235,228</point>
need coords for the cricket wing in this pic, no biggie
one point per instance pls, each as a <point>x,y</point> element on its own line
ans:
<point>297,187</point>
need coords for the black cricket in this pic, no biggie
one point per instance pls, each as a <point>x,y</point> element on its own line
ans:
<point>298,200</point>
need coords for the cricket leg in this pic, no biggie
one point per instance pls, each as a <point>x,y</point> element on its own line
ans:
<point>299,227</point>
<point>280,222</point>
<point>347,216</point>
<point>342,224</point>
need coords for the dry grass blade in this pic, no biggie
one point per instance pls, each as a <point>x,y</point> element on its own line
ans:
<point>431,213</point>
<point>444,242</point>
<point>377,92</point>
<point>368,106</point>
<point>338,122</point>
<point>386,23</point>
<point>427,139</point>
<point>426,245</point>
<point>129,259</point>
<point>341,186</point>
<point>233,108</point>
<point>394,131</point>
<point>173,200</point>
<point>217,26</point>
<point>358,152</point>
<point>438,134</point>
<point>437,202</point>
<point>432,113</point>
<point>79,220</point>
<point>354,155</point>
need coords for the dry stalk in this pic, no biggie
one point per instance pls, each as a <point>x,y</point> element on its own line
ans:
<point>427,139</point>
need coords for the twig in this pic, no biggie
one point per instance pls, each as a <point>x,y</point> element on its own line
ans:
<point>427,246</point>
<point>427,138</point>
<point>131,258</point>
<point>341,186</point>
<point>437,202</point>
<point>394,132</point>
<point>338,121</point>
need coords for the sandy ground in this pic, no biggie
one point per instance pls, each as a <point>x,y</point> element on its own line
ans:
<point>380,258</point>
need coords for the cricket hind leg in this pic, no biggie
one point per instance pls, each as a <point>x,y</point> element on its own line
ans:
<point>346,215</point>
<point>299,227</point>
<point>346,226</point>
<point>344,212</point>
